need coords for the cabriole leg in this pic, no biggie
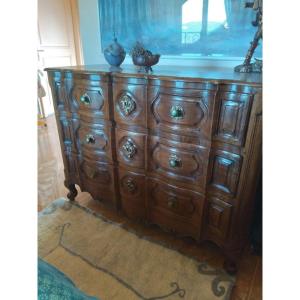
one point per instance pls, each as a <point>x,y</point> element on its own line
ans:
<point>73,192</point>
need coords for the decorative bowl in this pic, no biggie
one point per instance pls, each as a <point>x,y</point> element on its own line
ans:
<point>146,61</point>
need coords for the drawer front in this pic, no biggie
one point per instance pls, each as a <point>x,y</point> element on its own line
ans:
<point>219,217</point>
<point>129,103</point>
<point>94,140</point>
<point>96,172</point>
<point>233,117</point>
<point>130,148</point>
<point>99,180</point>
<point>175,208</point>
<point>90,97</point>
<point>225,172</point>
<point>185,112</point>
<point>178,161</point>
<point>132,190</point>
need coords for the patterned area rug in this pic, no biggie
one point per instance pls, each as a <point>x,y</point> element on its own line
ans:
<point>106,261</point>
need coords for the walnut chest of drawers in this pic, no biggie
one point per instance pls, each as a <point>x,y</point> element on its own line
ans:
<point>180,147</point>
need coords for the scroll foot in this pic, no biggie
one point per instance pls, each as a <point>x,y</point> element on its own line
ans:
<point>73,192</point>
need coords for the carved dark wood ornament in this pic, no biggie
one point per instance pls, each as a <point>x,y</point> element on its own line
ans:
<point>126,105</point>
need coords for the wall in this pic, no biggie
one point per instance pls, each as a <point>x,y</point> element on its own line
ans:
<point>90,31</point>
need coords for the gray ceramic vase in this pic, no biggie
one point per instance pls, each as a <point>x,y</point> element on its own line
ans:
<point>114,54</point>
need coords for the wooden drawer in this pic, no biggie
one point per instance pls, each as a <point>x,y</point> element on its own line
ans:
<point>233,117</point>
<point>132,190</point>
<point>129,99</point>
<point>187,112</point>
<point>94,140</point>
<point>218,218</point>
<point>174,208</point>
<point>130,148</point>
<point>178,161</point>
<point>224,172</point>
<point>99,180</point>
<point>90,96</point>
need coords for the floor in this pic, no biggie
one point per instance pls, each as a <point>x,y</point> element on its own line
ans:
<point>50,187</point>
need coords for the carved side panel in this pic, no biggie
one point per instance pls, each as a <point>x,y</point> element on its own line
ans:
<point>66,133</point>
<point>219,216</point>
<point>233,117</point>
<point>225,172</point>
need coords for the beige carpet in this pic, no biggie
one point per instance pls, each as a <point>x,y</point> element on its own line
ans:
<point>107,261</point>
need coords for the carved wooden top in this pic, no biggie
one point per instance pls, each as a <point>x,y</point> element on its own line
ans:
<point>194,74</point>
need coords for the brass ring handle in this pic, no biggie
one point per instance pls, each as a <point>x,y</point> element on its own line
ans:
<point>90,139</point>
<point>176,112</point>
<point>174,161</point>
<point>85,99</point>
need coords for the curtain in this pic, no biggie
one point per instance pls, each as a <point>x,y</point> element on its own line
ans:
<point>148,21</point>
<point>238,17</point>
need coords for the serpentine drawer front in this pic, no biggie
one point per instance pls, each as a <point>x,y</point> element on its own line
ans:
<point>180,148</point>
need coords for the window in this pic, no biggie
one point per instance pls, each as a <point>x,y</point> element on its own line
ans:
<point>203,28</point>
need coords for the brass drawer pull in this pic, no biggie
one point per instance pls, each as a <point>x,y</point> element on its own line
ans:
<point>85,99</point>
<point>129,149</point>
<point>90,139</point>
<point>174,161</point>
<point>127,105</point>
<point>172,202</point>
<point>131,186</point>
<point>176,112</point>
<point>91,174</point>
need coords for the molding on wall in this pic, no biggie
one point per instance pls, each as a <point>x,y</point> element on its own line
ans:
<point>76,30</point>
